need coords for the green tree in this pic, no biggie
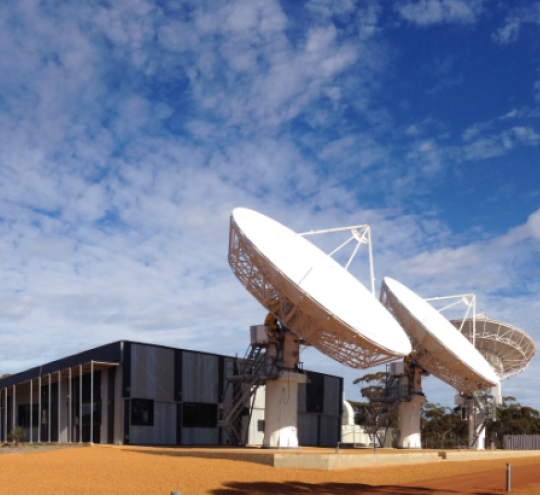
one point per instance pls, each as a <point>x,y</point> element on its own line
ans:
<point>372,385</point>
<point>442,426</point>
<point>514,419</point>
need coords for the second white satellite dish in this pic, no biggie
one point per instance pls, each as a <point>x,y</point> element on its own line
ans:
<point>437,346</point>
<point>312,294</point>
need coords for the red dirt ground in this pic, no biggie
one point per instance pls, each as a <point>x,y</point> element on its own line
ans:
<point>121,471</point>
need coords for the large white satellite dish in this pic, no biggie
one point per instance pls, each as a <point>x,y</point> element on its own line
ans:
<point>312,294</point>
<point>437,346</point>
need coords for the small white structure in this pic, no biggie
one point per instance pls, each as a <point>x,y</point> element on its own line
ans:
<point>351,433</point>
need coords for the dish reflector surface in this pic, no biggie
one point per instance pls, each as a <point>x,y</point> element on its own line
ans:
<point>312,294</point>
<point>438,347</point>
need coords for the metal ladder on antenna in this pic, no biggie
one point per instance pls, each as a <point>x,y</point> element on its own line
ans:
<point>384,406</point>
<point>484,401</point>
<point>251,376</point>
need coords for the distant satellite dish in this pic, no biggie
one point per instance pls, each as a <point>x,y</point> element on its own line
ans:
<point>312,294</point>
<point>437,347</point>
<point>507,348</point>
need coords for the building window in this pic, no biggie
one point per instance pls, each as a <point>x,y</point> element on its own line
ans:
<point>87,409</point>
<point>142,412</point>
<point>199,415</point>
<point>24,415</point>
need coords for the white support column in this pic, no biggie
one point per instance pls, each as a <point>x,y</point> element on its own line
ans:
<point>31,410</point>
<point>410,412</point>
<point>281,411</point>
<point>410,415</point>
<point>70,431</point>
<point>40,413</point>
<point>91,402</point>
<point>49,413</point>
<point>14,405</point>
<point>477,430</point>
<point>5,417</point>
<point>59,390</point>
<point>80,403</point>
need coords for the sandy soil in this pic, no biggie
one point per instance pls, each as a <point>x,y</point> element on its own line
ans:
<point>129,471</point>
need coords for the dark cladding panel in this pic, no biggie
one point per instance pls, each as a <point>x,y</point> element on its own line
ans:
<point>228,370</point>
<point>307,429</point>
<point>200,436</point>
<point>178,424</point>
<point>178,376</point>
<point>126,371</point>
<point>200,377</point>
<point>315,392</point>
<point>221,378</point>
<point>329,435</point>
<point>197,415</point>
<point>152,372</point>
<point>332,395</point>
<point>127,418</point>
<point>302,398</point>
<point>111,379</point>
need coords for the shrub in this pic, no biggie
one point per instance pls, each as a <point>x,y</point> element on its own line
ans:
<point>17,434</point>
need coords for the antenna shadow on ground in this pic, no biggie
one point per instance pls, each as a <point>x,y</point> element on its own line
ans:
<point>298,488</point>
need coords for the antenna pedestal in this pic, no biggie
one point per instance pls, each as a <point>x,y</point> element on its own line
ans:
<point>410,414</point>
<point>281,411</point>
<point>477,430</point>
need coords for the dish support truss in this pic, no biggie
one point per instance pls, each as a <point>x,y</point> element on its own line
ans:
<point>507,348</point>
<point>431,360</point>
<point>295,309</point>
<point>470,302</point>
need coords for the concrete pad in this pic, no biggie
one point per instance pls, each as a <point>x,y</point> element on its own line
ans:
<point>486,455</point>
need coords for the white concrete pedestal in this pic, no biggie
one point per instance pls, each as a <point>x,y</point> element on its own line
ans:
<point>474,416</point>
<point>409,423</point>
<point>281,411</point>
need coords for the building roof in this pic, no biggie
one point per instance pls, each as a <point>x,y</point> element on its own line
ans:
<point>104,354</point>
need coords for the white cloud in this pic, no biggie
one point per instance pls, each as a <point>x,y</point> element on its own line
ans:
<point>481,148</point>
<point>429,12</point>
<point>514,21</point>
<point>526,135</point>
<point>328,8</point>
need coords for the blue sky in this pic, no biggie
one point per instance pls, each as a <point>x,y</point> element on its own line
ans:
<point>130,130</point>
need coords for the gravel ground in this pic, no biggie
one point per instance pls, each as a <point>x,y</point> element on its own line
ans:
<point>121,471</point>
<point>26,448</point>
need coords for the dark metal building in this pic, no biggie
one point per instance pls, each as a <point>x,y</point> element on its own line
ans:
<point>144,394</point>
